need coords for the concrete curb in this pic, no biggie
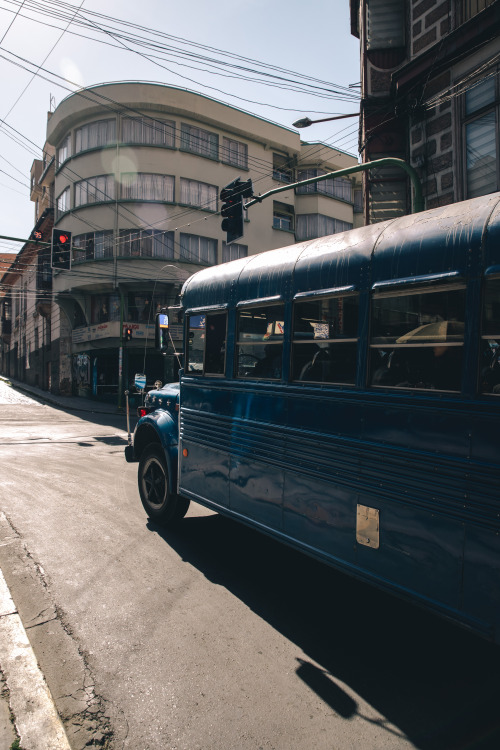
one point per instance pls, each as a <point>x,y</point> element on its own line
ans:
<point>36,719</point>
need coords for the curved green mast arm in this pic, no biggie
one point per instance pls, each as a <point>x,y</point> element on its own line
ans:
<point>418,201</point>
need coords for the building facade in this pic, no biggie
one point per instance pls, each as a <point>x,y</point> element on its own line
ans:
<point>133,171</point>
<point>430,95</point>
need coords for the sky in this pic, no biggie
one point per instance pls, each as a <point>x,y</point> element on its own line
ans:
<point>46,53</point>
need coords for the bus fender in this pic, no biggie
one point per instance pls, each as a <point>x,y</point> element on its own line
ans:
<point>159,427</point>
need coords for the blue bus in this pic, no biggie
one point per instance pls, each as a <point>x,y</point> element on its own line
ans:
<point>343,396</point>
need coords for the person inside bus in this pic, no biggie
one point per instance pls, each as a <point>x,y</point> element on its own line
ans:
<point>270,364</point>
<point>428,367</point>
<point>435,367</point>
<point>447,368</point>
<point>489,380</point>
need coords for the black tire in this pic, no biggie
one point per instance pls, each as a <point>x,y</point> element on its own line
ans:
<point>161,505</point>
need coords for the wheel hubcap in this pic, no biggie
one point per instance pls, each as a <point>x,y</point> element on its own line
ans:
<point>154,483</point>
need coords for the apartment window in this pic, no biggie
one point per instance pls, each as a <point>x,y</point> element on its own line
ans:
<point>235,153</point>
<point>104,307</point>
<point>95,190</point>
<point>199,141</point>
<point>145,243</point>
<point>143,130</point>
<point>283,216</point>
<point>470,8</point>
<point>310,226</point>
<point>335,187</point>
<point>199,194</point>
<point>481,137</point>
<point>64,150</point>
<point>282,169</point>
<point>385,24</point>
<point>147,187</point>
<point>233,251</point>
<point>196,249</point>
<point>63,202</point>
<point>95,135</point>
<point>92,246</point>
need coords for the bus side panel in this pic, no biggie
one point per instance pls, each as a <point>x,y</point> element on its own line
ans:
<point>204,425</point>
<point>320,514</point>
<point>481,587</point>
<point>419,426</point>
<point>485,444</point>
<point>419,551</point>
<point>316,411</point>
<point>257,449</point>
<point>204,472</point>
<point>256,491</point>
<point>265,405</point>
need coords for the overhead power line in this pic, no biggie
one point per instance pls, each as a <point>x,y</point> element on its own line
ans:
<point>185,50</point>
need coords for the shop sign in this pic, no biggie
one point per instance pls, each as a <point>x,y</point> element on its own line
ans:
<point>111,330</point>
<point>97,331</point>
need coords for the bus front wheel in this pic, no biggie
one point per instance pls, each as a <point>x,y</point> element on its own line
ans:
<point>160,504</point>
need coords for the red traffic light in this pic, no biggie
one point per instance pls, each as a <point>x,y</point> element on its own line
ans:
<point>61,249</point>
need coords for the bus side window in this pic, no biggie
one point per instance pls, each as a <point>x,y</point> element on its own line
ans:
<point>325,340</point>
<point>259,346</point>
<point>215,343</point>
<point>195,344</point>
<point>207,344</point>
<point>489,368</point>
<point>417,339</point>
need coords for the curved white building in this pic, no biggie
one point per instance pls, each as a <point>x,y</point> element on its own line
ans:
<point>136,177</point>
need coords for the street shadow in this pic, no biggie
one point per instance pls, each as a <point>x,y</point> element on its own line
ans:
<point>110,439</point>
<point>101,419</point>
<point>432,681</point>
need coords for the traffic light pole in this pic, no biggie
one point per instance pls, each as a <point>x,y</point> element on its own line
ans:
<point>31,239</point>
<point>120,351</point>
<point>418,201</point>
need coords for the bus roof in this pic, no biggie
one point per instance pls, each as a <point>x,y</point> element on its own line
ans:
<point>434,244</point>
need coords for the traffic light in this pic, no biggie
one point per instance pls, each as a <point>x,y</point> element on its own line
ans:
<point>128,333</point>
<point>61,249</point>
<point>232,207</point>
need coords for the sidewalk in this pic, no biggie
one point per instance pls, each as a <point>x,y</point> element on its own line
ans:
<point>73,403</point>
<point>24,691</point>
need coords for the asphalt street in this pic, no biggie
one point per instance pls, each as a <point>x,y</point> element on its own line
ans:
<point>212,637</point>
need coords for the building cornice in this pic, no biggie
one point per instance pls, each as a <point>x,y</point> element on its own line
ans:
<point>138,97</point>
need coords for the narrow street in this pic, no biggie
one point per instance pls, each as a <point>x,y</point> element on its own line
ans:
<point>211,637</point>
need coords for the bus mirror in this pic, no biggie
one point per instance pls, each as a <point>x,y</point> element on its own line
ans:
<point>162,338</point>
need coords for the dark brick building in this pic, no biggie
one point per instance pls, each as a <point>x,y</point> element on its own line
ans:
<point>430,95</point>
